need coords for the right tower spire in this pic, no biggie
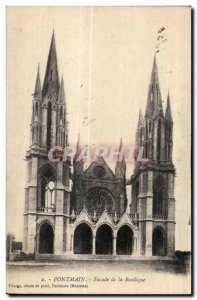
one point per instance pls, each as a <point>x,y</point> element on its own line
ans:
<point>153,179</point>
<point>155,131</point>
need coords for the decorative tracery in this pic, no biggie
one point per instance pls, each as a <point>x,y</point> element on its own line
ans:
<point>47,189</point>
<point>98,199</point>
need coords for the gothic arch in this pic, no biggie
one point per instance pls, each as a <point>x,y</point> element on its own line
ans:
<point>159,197</point>
<point>42,220</point>
<point>44,168</point>
<point>87,222</point>
<point>83,237</point>
<point>104,222</point>
<point>159,242</point>
<point>125,240</point>
<point>104,240</point>
<point>46,192</point>
<point>131,226</point>
<point>46,238</point>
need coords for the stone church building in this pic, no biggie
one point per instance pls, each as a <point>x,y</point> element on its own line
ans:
<point>93,215</point>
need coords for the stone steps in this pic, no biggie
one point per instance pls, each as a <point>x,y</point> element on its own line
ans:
<point>142,263</point>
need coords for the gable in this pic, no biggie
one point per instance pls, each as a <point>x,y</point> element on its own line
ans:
<point>99,170</point>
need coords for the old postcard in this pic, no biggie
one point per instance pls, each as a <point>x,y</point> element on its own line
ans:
<point>99,150</point>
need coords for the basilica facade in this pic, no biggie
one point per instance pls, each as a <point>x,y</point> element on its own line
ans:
<point>93,216</point>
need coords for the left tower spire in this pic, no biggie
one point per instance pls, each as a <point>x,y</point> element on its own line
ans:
<point>51,79</point>
<point>37,91</point>
<point>48,186</point>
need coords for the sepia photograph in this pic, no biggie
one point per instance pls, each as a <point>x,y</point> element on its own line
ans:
<point>99,150</point>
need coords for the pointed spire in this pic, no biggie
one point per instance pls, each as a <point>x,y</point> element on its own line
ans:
<point>154,103</point>
<point>168,114</point>
<point>78,147</point>
<point>38,84</point>
<point>140,119</point>
<point>61,99</point>
<point>120,144</point>
<point>138,135</point>
<point>120,147</point>
<point>51,80</point>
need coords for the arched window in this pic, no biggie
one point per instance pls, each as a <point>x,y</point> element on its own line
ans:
<point>146,129</point>
<point>63,139</point>
<point>141,134</point>
<point>159,242</point>
<point>47,190</point>
<point>33,111</point>
<point>36,114</point>
<point>136,193</point>
<point>61,113</point>
<point>170,133</point>
<point>32,135</point>
<point>49,112</point>
<point>159,141</point>
<point>60,138</point>
<point>149,126</point>
<point>50,194</point>
<point>145,150</point>
<point>150,149</point>
<point>159,197</point>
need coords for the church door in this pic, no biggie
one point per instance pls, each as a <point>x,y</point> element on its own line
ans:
<point>124,240</point>
<point>46,237</point>
<point>104,240</point>
<point>83,239</point>
<point>159,242</point>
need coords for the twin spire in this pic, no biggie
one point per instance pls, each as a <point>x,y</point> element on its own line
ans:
<point>120,160</point>
<point>168,114</point>
<point>140,119</point>
<point>51,80</point>
<point>154,101</point>
<point>61,98</point>
<point>38,83</point>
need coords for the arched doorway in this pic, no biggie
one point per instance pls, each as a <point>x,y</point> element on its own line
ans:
<point>104,240</point>
<point>159,242</point>
<point>124,240</point>
<point>46,237</point>
<point>83,239</point>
